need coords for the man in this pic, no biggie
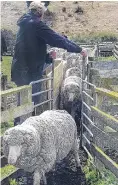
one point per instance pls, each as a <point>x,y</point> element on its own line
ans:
<point>30,49</point>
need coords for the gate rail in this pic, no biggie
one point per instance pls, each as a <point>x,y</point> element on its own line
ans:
<point>99,127</point>
<point>49,90</point>
<point>18,102</point>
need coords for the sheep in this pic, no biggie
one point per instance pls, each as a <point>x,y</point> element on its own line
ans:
<point>71,90</point>
<point>74,61</point>
<point>41,141</point>
<point>70,96</point>
<point>73,71</point>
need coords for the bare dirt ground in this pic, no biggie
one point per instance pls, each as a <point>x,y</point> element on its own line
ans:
<point>96,16</point>
<point>65,173</point>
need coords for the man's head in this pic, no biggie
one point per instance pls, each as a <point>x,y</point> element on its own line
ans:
<point>37,8</point>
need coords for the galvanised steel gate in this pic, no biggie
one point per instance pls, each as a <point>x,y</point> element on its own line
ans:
<point>49,91</point>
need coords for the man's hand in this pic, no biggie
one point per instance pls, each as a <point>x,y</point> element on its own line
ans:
<point>52,54</point>
<point>84,52</point>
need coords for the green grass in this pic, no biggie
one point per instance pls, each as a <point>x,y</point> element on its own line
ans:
<point>5,126</point>
<point>6,69</point>
<point>111,58</point>
<point>7,170</point>
<point>102,177</point>
<point>95,37</point>
<point>6,66</point>
<point>13,182</point>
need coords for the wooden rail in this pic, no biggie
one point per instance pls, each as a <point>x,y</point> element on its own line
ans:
<point>100,128</point>
<point>18,102</point>
<point>107,92</point>
<point>104,117</point>
<point>95,124</point>
<point>108,162</point>
<point>22,103</point>
<point>58,77</point>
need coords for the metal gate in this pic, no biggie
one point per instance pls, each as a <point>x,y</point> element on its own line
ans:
<point>48,91</point>
<point>93,137</point>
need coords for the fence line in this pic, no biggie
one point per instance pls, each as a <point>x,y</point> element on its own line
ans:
<point>12,109</point>
<point>94,100</point>
<point>99,129</point>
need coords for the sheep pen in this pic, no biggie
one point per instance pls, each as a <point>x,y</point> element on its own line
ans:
<point>41,141</point>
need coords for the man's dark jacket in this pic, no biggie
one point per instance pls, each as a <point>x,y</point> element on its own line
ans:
<point>30,49</point>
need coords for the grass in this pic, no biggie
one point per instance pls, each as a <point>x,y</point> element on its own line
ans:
<point>7,170</point>
<point>13,182</point>
<point>110,58</point>
<point>6,66</point>
<point>6,69</point>
<point>95,37</point>
<point>5,126</point>
<point>95,177</point>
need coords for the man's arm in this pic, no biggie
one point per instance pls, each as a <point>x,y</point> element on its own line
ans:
<point>56,40</point>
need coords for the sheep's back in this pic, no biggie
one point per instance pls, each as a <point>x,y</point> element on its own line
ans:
<point>64,129</point>
<point>72,79</point>
<point>73,71</point>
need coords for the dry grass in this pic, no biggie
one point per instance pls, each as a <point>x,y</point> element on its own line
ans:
<point>97,17</point>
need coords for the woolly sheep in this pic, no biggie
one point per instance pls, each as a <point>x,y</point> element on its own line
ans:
<point>74,61</point>
<point>40,141</point>
<point>73,71</point>
<point>70,92</point>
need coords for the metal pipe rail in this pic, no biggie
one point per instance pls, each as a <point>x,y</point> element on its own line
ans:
<point>87,106</point>
<point>37,105</point>
<point>41,80</point>
<point>45,91</point>
<point>41,92</point>
<point>84,92</point>
<point>90,130</point>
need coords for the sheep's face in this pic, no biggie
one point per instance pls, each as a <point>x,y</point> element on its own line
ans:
<point>14,154</point>
<point>71,92</point>
<point>18,142</point>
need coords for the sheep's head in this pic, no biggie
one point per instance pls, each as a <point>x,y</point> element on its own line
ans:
<point>19,142</point>
<point>71,92</point>
<point>74,71</point>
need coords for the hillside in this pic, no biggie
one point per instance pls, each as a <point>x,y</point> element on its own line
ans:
<point>90,18</point>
